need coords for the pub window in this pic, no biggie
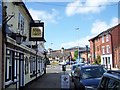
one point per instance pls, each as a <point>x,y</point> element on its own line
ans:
<point>8,69</point>
<point>38,63</point>
<point>32,65</point>
<point>16,63</point>
<point>26,65</point>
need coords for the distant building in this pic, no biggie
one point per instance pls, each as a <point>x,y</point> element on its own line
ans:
<point>68,54</point>
<point>107,46</point>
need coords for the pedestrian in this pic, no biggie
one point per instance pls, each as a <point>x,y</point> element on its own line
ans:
<point>77,72</point>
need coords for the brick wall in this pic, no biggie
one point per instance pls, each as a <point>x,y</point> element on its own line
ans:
<point>116,44</point>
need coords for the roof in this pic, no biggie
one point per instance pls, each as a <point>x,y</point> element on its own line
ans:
<point>106,31</point>
<point>23,5</point>
<point>92,66</point>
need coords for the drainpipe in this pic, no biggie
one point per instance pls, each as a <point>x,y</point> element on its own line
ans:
<point>112,49</point>
<point>94,49</point>
<point>3,44</point>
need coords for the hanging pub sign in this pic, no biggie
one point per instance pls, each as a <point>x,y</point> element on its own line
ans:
<point>36,31</point>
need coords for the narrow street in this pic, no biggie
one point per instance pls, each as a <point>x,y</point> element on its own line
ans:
<point>51,80</point>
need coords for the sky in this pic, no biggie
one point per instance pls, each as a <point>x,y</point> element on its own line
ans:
<point>73,23</point>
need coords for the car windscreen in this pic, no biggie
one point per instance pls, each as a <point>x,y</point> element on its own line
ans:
<point>92,72</point>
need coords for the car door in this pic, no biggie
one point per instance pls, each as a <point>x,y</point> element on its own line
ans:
<point>108,83</point>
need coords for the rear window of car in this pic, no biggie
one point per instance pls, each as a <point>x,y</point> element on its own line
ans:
<point>92,72</point>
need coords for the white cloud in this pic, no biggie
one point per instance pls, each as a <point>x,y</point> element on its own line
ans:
<point>44,16</point>
<point>82,42</point>
<point>97,27</point>
<point>78,7</point>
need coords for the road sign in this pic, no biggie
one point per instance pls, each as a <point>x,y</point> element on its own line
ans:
<point>65,81</point>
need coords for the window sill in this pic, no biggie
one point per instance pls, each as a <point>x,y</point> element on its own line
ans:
<point>9,82</point>
<point>32,75</point>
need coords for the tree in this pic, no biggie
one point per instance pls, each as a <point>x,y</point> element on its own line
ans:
<point>97,60</point>
<point>75,54</point>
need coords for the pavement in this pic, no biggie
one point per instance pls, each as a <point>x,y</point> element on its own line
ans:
<point>51,80</point>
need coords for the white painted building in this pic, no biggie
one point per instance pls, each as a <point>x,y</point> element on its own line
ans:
<point>22,63</point>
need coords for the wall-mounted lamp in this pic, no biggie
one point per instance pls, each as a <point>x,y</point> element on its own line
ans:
<point>16,36</point>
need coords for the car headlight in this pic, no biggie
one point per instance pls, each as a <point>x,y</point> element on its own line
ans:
<point>90,88</point>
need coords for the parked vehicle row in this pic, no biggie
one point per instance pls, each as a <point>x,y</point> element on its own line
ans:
<point>94,77</point>
<point>110,80</point>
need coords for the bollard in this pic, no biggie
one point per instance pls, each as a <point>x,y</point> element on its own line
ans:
<point>63,68</point>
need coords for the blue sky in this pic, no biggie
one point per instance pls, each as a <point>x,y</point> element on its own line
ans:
<point>62,18</point>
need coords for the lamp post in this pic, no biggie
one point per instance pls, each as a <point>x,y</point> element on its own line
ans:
<point>78,45</point>
<point>87,53</point>
<point>62,51</point>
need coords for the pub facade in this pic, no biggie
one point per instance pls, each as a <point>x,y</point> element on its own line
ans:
<point>23,61</point>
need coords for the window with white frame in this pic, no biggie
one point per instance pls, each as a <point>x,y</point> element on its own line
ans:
<point>8,65</point>
<point>21,23</point>
<point>103,49</point>
<point>38,67</point>
<point>108,49</point>
<point>32,65</point>
<point>103,39</point>
<point>16,62</point>
<point>107,38</point>
<point>12,59</point>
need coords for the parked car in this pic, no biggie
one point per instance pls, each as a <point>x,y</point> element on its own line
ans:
<point>89,77</point>
<point>110,80</point>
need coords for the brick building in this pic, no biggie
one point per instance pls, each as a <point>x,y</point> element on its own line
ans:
<point>107,46</point>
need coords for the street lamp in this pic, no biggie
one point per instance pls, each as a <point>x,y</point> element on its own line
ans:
<point>78,44</point>
<point>62,51</point>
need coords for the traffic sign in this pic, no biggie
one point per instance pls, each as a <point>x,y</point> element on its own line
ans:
<point>65,81</point>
